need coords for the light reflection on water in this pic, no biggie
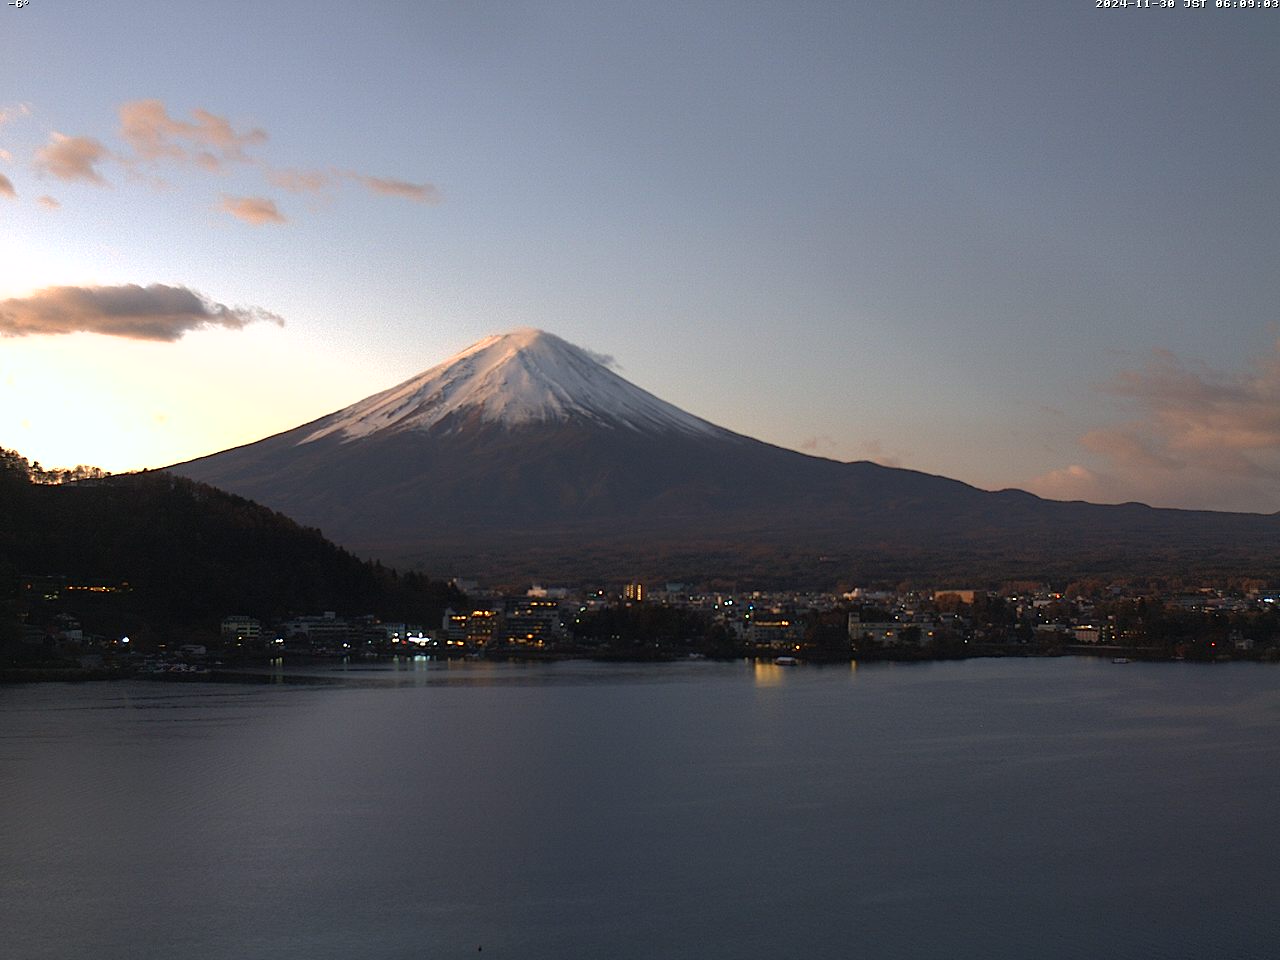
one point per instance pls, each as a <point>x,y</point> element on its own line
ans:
<point>993,809</point>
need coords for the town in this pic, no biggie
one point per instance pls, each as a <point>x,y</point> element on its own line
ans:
<point>638,621</point>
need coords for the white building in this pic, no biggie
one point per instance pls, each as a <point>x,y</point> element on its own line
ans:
<point>238,627</point>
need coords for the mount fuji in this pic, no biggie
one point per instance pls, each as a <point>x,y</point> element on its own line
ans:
<point>514,380</point>
<point>525,456</point>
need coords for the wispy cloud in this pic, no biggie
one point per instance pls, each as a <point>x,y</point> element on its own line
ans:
<point>155,312</point>
<point>254,210</point>
<point>1201,435</point>
<point>818,444</point>
<point>417,192</point>
<point>48,202</point>
<point>604,359</point>
<point>6,187</point>
<point>825,445</point>
<point>875,450</point>
<point>14,112</point>
<point>72,158</point>
<point>152,141</point>
<point>209,142</point>
<point>300,181</point>
<point>1077,482</point>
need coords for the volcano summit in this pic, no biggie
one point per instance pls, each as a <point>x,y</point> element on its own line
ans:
<point>514,380</point>
<point>525,456</point>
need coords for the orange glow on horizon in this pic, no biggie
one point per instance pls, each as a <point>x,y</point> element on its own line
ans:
<point>124,405</point>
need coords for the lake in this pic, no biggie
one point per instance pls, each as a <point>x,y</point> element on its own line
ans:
<point>979,809</point>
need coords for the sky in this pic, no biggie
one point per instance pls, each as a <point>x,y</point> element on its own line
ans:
<point>1022,245</point>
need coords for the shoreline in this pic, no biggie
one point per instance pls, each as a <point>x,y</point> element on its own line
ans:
<point>245,671</point>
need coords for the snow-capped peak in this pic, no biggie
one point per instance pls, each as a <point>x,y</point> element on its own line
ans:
<point>513,379</point>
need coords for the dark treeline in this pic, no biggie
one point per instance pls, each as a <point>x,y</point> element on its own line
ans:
<point>14,463</point>
<point>1151,623</point>
<point>189,555</point>
<point>645,629</point>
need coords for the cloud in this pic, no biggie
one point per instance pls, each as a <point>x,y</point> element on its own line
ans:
<point>299,181</point>
<point>153,140</point>
<point>155,312</point>
<point>6,187</point>
<point>1075,482</point>
<point>604,359</point>
<point>819,443</point>
<point>1124,445</point>
<point>1200,437</point>
<point>8,114</point>
<point>1194,412</point>
<point>209,142</point>
<point>254,210</point>
<point>825,445</point>
<point>418,192</point>
<point>72,158</point>
<point>48,202</point>
<point>876,451</point>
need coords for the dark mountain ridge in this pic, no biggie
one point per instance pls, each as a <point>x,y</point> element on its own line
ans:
<point>190,554</point>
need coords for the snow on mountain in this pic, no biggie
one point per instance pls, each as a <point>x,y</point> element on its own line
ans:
<point>513,379</point>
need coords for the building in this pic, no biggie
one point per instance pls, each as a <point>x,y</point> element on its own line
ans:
<point>455,626</point>
<point>325,632</point>
<point>531,621</point>
<point>1087,633</point>
<point>775,633</point>
<point>482,627</point>
<point>890,633</point>
<point>239,628</point>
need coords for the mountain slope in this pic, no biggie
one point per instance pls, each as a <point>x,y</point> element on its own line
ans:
<point>524,456</point>
<point>191,555</point>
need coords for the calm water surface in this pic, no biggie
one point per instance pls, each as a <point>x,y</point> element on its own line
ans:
<point>983,809</point>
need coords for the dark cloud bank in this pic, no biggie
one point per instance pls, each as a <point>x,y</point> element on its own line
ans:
<point>155,312</point>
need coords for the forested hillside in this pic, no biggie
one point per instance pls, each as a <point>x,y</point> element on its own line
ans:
<point>172,557</point>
